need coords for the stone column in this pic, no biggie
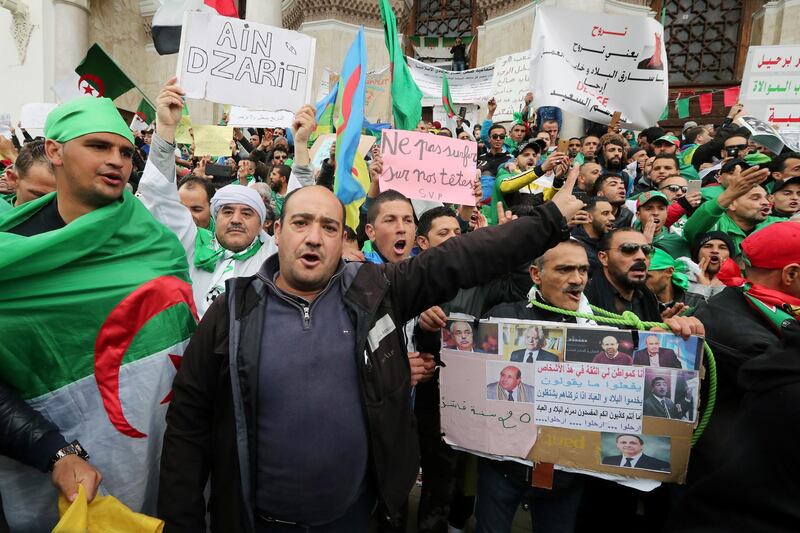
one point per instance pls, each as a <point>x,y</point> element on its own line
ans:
<point>71,38</point>
<point>265,12</point>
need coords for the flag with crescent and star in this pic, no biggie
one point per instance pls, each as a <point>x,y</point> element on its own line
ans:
<point>101,76</point>
<point>94,319</point>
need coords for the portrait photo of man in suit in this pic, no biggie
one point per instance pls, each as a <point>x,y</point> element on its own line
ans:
<point>463,337</point>
<point>631,448</point>
<point>510,387</point>
<point>534,347</point>
<point>657,403</point>
<point>654,355</point>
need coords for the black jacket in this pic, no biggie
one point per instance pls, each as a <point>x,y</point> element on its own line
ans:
<point>601,293</point>
<point>756,486</point>
<point>592,246</point>
<point>211,419</point>
<point>736,334</point>
<point>25,435</point>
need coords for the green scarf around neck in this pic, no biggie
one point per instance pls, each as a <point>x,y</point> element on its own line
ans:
<point>208,252</point>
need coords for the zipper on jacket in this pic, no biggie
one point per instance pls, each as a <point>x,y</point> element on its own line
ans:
<point>306,309</point>
<point>306,317</point>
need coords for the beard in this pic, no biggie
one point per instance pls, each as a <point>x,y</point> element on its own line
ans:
<point>625,282</point>
<point>615,165</point>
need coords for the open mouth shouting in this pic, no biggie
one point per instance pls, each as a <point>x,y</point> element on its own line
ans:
<point>310,259</point>
<point>399,247</point>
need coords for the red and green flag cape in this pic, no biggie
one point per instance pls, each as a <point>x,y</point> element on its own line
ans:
<point>94,318</point>
<point>101,72</point>
<point>406,96</point>
<point>447,100</point>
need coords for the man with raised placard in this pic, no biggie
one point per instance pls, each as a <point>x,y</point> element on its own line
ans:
<point>238,245</point>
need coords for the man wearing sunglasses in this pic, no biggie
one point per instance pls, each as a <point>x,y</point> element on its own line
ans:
<point>621,285</point>
<point>496,153</point>
<point>681,201</point>
<point>663,166</point>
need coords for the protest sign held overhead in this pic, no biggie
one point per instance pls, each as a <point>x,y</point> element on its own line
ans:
<point>243,117</point>
<point>771,88</point>
<point>212,140</point>
<point>510,84</point>
<point>428,167</point>
<point>595,65</point>
<point>240,62</point>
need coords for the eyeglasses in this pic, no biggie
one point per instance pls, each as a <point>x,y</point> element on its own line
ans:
<point>630,248</point>
<point>737,147</point>
<point>675,188</point>
<point>499,136</point>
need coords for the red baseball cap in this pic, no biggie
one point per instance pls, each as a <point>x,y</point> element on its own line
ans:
<point>775,246</point>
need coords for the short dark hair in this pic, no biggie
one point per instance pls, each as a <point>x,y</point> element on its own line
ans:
<point>292,193</point>
<point>30,154</point>
<point>602,178</point>
<point>389,195</point>
<point>192,182</point>
<point>278,149</point>
<point>657,378</point>
<point>633,149</point>
<point>350,234</point>
<point>671,157</point>
<point>592,201</point>
<point>605,240</point>
<point>777,165</point>
<point>427,218</point>
<point>691,134</point>
<point>495,126</point>
<point>641,440</point>
<point>613,138</point>
<point>539,261</point>
<point>284,170</point>
<point>652,133</point>
<point>575,139</point>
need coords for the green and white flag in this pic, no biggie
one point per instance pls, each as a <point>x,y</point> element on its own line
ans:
<point>94,318</point>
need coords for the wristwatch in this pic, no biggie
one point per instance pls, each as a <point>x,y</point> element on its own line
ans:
<point>73,448</point>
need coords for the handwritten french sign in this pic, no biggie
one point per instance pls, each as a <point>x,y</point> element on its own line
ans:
<point>428,167</point>
<point>594,66</point>
<point>589,396</point>
<point>240,62</point>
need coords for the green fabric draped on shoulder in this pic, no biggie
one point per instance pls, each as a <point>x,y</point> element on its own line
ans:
<point>57,288</point>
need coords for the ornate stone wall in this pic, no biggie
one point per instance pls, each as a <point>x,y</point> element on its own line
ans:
<point>777,22</point>
<point>120,29</point>
<point>358,12</point>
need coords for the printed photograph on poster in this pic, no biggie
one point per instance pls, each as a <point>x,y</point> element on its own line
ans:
<point>667,351</point>
<point>643,452</point>
<point>462,335</point>
<point>670,394</point>
<point>608,347</point>
<point>525,343</point>
<point>509,382</point>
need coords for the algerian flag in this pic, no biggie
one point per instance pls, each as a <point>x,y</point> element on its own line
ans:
<point>93,320</point>
<point>144,116</point>
<point>101,76</point>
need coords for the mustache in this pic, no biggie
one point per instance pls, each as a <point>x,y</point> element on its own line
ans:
<point>638,265</point>
<point>574,287</point>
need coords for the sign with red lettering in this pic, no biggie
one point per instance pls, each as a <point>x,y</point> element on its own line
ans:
<point>429,167</point>
<point>595,64</point>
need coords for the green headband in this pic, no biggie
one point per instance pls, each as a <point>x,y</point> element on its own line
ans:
<point>661,260</point>
<point>83,116</point>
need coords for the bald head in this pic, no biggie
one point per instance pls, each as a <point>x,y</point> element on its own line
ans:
<point>309,239</point>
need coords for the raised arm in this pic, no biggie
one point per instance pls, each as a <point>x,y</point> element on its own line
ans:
<point>437,274</point>
<point>157,188</point>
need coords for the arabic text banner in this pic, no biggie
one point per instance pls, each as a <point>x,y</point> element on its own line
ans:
<point>572,395</point>
<point>466,87</point>
<point>595,65</point>
<point>771,85</point>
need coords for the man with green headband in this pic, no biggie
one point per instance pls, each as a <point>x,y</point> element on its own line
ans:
<point>95,311</point>
<point>667,278</point>
<point>238,245</point>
